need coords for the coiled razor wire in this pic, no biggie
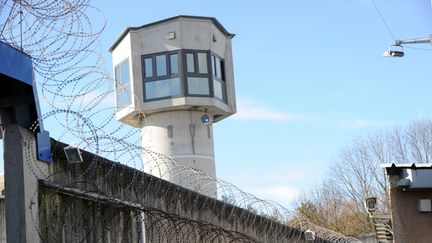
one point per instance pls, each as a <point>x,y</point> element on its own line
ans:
<point>62,38</point>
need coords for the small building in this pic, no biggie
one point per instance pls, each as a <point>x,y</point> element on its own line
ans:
<point>410,202</point>
<point>175,77</point>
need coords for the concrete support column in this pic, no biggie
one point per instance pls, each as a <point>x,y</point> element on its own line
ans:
<point>181,136</point>
<point>21,184</point>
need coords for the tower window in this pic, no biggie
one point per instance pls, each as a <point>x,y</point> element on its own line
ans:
<point>161,76</point>
<point>197,73</point>
<point>219,84</point>
<point>123,89</point>
<point>184,73</point>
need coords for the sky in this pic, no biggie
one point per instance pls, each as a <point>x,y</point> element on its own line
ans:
<point>309,79</point>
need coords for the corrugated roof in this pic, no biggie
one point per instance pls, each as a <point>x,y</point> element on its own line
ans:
<point>214,20</point>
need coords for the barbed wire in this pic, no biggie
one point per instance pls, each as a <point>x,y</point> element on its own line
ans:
<point>62,38</point>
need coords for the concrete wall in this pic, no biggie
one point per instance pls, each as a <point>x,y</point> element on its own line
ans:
<point>164,203</point>
<point>2,220</point>
<point>410,225</point>
<point>103,201</point>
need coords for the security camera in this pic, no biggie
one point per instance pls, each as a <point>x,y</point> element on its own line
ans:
<point>73,154</point>
<point>207,119</point>
<point>371,204</point>
<point>391,53</point>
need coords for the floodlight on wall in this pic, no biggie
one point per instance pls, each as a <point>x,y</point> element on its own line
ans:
<point>404,183</point>
<point>309,235</point>
<point>73,154</point>
<point>207,119</point>
<point>171,35</point>
<point>371,204</point>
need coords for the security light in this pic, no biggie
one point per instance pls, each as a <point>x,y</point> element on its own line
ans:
<point>404,183</point>
<point>171,36</point>
<point>391,53</point>
<point>309,235</point>
<point>207,119</point>
<point>73,154</point>
<point>371,204</point>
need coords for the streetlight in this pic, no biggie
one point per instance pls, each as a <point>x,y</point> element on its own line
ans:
<point>400,43</point>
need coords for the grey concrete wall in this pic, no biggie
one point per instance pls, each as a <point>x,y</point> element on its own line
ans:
<point>2,220</point>
<point>104,201</point>
<point>20,182</point>
<point>409,225</point>
<point>165,205</point>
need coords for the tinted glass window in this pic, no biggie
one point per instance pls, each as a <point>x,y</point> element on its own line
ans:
<point>202,62</point>
<point>217,89</point>
<point>174,63</point>
<point>218,68</point>
<point>190,60</point>
<point>122,85</point>
<point>117,76</point>
<point>198,86</point>
<point>161,66</point>
<point>125,72</point>
<point>162,88</point>
<point>148,67</point>
<point>214,65</point>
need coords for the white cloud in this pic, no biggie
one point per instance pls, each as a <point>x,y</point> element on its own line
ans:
<point>279,193</point>
<point>247,110</point>
<point>361,123</point>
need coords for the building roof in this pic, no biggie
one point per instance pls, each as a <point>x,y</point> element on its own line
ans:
<point>396,169</point>
<point>408,166</point>
<point>214,20</point>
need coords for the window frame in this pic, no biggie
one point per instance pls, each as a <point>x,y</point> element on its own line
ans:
<point>169,74</point>
<point>196,73</point>
<point>182,73</point>
<point>222,79</point>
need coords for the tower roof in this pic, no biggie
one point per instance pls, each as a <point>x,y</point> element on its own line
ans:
<point>212,19</point>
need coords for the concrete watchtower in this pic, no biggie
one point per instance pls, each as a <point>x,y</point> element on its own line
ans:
<point>170,74</point>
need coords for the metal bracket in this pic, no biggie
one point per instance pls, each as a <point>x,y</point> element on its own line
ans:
<point>18,96</point>
<point>43,142</point>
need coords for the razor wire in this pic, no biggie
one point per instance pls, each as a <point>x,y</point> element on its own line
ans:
<point>62,37</point>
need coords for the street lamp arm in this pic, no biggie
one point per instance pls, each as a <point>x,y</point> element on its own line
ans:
<point>413,41</point>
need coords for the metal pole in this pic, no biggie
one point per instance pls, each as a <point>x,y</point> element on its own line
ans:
<point>413,41</point>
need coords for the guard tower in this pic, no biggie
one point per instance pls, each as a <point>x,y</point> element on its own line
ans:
<point>174,77</point>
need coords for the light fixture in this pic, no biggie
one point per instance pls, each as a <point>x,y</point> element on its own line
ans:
<point>390,53</point>
<point>171,36</point>
<point>371,204</point>
<point>73,154</point>
<point>404,183</point>
<point>309,235</point>
<point>399,43</point>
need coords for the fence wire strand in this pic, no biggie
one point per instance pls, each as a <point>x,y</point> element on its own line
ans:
<point>63,39</point>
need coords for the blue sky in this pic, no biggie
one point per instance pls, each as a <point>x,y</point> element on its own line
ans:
<point>309,79</point>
